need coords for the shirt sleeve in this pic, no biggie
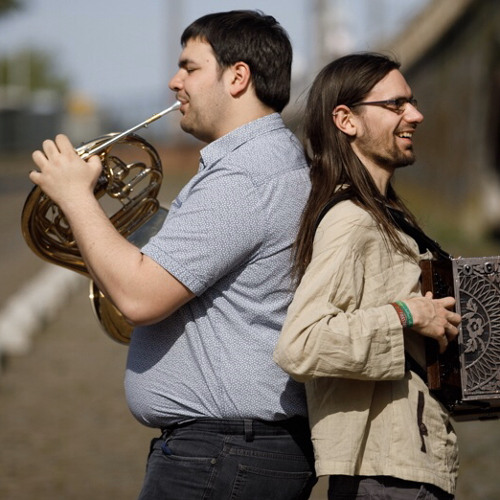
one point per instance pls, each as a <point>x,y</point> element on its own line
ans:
<point>340,322</point>
<point>212,230</point>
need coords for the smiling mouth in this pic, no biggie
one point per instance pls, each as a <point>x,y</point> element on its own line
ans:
<point>406,135</point>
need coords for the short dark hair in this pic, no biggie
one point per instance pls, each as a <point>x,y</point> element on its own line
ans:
<point>254,38</point>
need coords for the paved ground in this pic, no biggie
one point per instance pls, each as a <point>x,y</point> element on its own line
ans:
<point>65,430</point>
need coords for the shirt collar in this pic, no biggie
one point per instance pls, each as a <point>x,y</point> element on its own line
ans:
<point>216,150</point>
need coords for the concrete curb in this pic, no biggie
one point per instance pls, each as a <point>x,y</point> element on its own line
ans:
<point>36,303</point>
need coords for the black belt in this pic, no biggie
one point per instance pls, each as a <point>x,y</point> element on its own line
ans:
<point>245,427</point>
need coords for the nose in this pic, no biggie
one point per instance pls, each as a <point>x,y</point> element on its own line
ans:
<point>175,83</point>
<point>413,114</point>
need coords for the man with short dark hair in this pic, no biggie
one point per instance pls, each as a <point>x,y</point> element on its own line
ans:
<point>212,287</point>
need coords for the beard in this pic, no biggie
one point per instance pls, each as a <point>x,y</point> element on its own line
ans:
<point>389,157</point>
<point>395,159</point>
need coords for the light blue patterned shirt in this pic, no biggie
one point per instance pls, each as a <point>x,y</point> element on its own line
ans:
<point>228,238</point>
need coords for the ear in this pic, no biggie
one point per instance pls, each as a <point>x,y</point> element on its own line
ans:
<point>344,120</point>
<point>239,78</point>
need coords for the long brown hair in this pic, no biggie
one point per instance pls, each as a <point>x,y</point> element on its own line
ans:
<point>331,159</point>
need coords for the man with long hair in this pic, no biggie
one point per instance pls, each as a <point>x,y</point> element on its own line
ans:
<point>356,328</point>
<point>209,292</point>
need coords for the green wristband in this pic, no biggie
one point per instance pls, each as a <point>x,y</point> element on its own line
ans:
<point>406,310</point>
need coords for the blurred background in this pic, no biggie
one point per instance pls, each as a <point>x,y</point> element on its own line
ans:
<point>93,67</point>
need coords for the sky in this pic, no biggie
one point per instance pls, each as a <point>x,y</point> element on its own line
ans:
<point>114,50</point>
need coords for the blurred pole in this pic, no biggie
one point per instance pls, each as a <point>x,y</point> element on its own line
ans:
<point>377,14</point>
<point>174,25</point>
<point>318,35</point>
<point>331,31</point>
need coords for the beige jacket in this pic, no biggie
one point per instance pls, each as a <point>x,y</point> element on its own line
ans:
<point>344,339</point>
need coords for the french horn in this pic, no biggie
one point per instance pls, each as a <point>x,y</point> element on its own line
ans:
<point>127,190</point>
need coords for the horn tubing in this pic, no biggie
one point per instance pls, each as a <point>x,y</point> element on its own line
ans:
<point>87,154</point>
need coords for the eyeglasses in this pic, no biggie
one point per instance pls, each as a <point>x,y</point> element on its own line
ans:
<point>396,105</point>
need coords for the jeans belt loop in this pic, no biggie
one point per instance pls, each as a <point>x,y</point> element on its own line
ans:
<point>249,434</point>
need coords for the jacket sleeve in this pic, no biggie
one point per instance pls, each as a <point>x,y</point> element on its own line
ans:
<point>340,322</point>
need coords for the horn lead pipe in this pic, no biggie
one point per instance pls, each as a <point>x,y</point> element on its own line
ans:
<point>87,154</point>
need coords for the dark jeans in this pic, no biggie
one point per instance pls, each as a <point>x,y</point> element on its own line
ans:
<point>237,460</point>
<point>382,488</point>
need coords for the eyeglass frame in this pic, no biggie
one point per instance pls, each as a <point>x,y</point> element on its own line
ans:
<point>399,108</point>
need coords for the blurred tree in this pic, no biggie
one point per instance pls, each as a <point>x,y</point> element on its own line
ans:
<point>9,5</point>
<point>32,69</point>
<point>29,69</point>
